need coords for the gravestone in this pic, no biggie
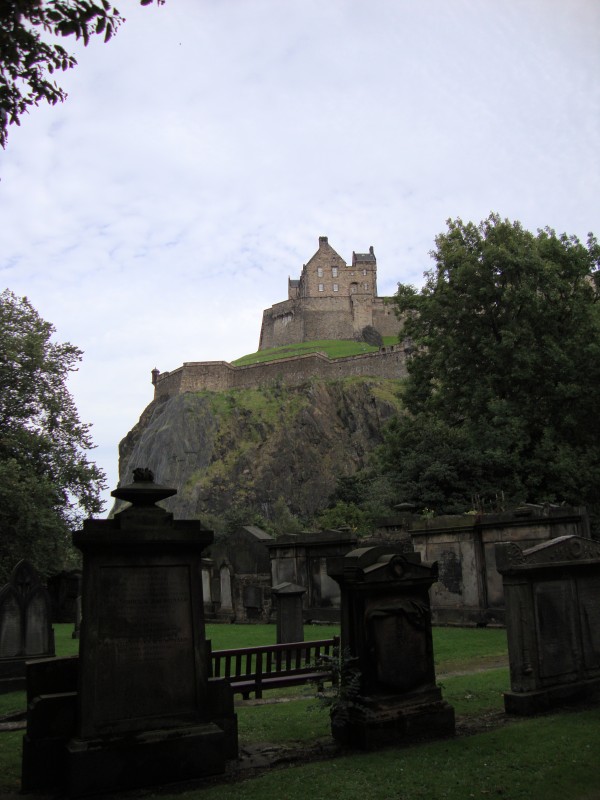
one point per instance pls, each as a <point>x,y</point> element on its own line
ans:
<point>147,712</point>
<point>552,622</point>
<point>290,624</point>
<point>388,691</point>
<point>25,628</point>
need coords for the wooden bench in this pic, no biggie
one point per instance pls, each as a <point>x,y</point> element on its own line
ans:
<point>276,666</point>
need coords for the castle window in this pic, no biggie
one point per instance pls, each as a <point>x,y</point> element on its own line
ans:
<point>321,287</point>
<point>353,288</point>
<point>320,272</point>
<point>334,272</point>
<point>364,271</point>
<point>335,287</point>
<point>366,287</point>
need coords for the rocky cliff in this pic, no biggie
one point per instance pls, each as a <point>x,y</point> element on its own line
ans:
<point>248,448</point>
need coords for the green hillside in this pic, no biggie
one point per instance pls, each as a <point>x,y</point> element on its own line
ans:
<point>334,348</point>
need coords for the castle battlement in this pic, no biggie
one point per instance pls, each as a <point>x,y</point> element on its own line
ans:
<point>330,300</point>
<point>219,376</point>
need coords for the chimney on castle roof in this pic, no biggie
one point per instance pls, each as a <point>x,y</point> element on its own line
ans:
<point>322,240</point>
<point>371,250</point>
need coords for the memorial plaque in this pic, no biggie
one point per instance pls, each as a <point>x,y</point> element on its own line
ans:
<point>145,636</point>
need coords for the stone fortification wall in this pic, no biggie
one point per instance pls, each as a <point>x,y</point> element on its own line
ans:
<point>317,318</point>
<point>218,376</point>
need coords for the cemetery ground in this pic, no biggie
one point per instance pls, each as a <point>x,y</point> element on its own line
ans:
<point>287,751</point>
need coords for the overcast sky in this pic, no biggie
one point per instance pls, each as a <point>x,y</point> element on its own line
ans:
<point>202,152</point>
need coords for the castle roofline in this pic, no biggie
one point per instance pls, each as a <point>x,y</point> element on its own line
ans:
<point>369,258</point>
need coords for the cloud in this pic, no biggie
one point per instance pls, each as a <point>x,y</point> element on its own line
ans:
<point>200,154</point>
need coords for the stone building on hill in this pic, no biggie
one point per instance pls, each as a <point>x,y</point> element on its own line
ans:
<point>330,300</point>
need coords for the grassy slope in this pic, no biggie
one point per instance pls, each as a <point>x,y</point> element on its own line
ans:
<point>334,348</point>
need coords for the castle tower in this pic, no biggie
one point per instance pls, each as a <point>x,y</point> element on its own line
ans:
<point>330,300</point>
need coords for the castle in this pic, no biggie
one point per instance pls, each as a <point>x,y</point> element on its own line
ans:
<point>330,300</point>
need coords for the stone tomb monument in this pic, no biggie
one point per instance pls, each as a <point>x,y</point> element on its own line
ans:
<point>552,622</point>
<point>146,711</point>
<point>25,628</point>
<point>388,687</point>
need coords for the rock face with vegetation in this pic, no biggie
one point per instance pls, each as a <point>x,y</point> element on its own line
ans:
<point>255,449</point>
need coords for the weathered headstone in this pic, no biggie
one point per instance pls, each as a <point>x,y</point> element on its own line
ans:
<point>147,711</point>
<point>388,691</point>
<point>25,628</point>
<point>290,624</point>
<point>552,622</point>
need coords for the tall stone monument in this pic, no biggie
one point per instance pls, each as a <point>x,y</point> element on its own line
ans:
<point>146,711</point>
<point>388,691</point>
<point>552,622</point>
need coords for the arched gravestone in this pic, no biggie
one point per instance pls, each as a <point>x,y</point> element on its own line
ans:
<point>25,628</point>
<point>388,688</point>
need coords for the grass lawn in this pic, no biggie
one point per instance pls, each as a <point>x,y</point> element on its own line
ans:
<point>334,348</point>
<point>550,757</point>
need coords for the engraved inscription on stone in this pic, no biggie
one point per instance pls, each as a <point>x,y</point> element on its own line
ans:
<point>554,620</point>
<point>588,590</point>
<point>10,626</point>
<point>145,659</point>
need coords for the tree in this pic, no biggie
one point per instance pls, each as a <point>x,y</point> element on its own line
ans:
<point>47,483</point>
<point>29,57</point>
<point>504,379</point>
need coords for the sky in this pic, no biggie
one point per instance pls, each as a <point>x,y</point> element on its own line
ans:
<point>203,151</point>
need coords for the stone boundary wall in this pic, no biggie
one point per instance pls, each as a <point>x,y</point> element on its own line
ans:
<point>219,376</point>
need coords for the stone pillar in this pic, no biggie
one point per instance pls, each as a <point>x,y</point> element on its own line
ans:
<point>290,622</point>
<point>388,689</point>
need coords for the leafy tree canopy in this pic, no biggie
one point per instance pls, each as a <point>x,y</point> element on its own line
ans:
<point>30,54</point>
<point>504,378</point>
<point>47,483</point>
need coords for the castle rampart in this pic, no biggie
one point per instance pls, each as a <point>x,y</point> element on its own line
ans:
<point>218,376</point>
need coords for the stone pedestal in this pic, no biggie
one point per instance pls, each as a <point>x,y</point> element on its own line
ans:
<point>388,691</point>
<point>552,622</point>
<point>290,624</point>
